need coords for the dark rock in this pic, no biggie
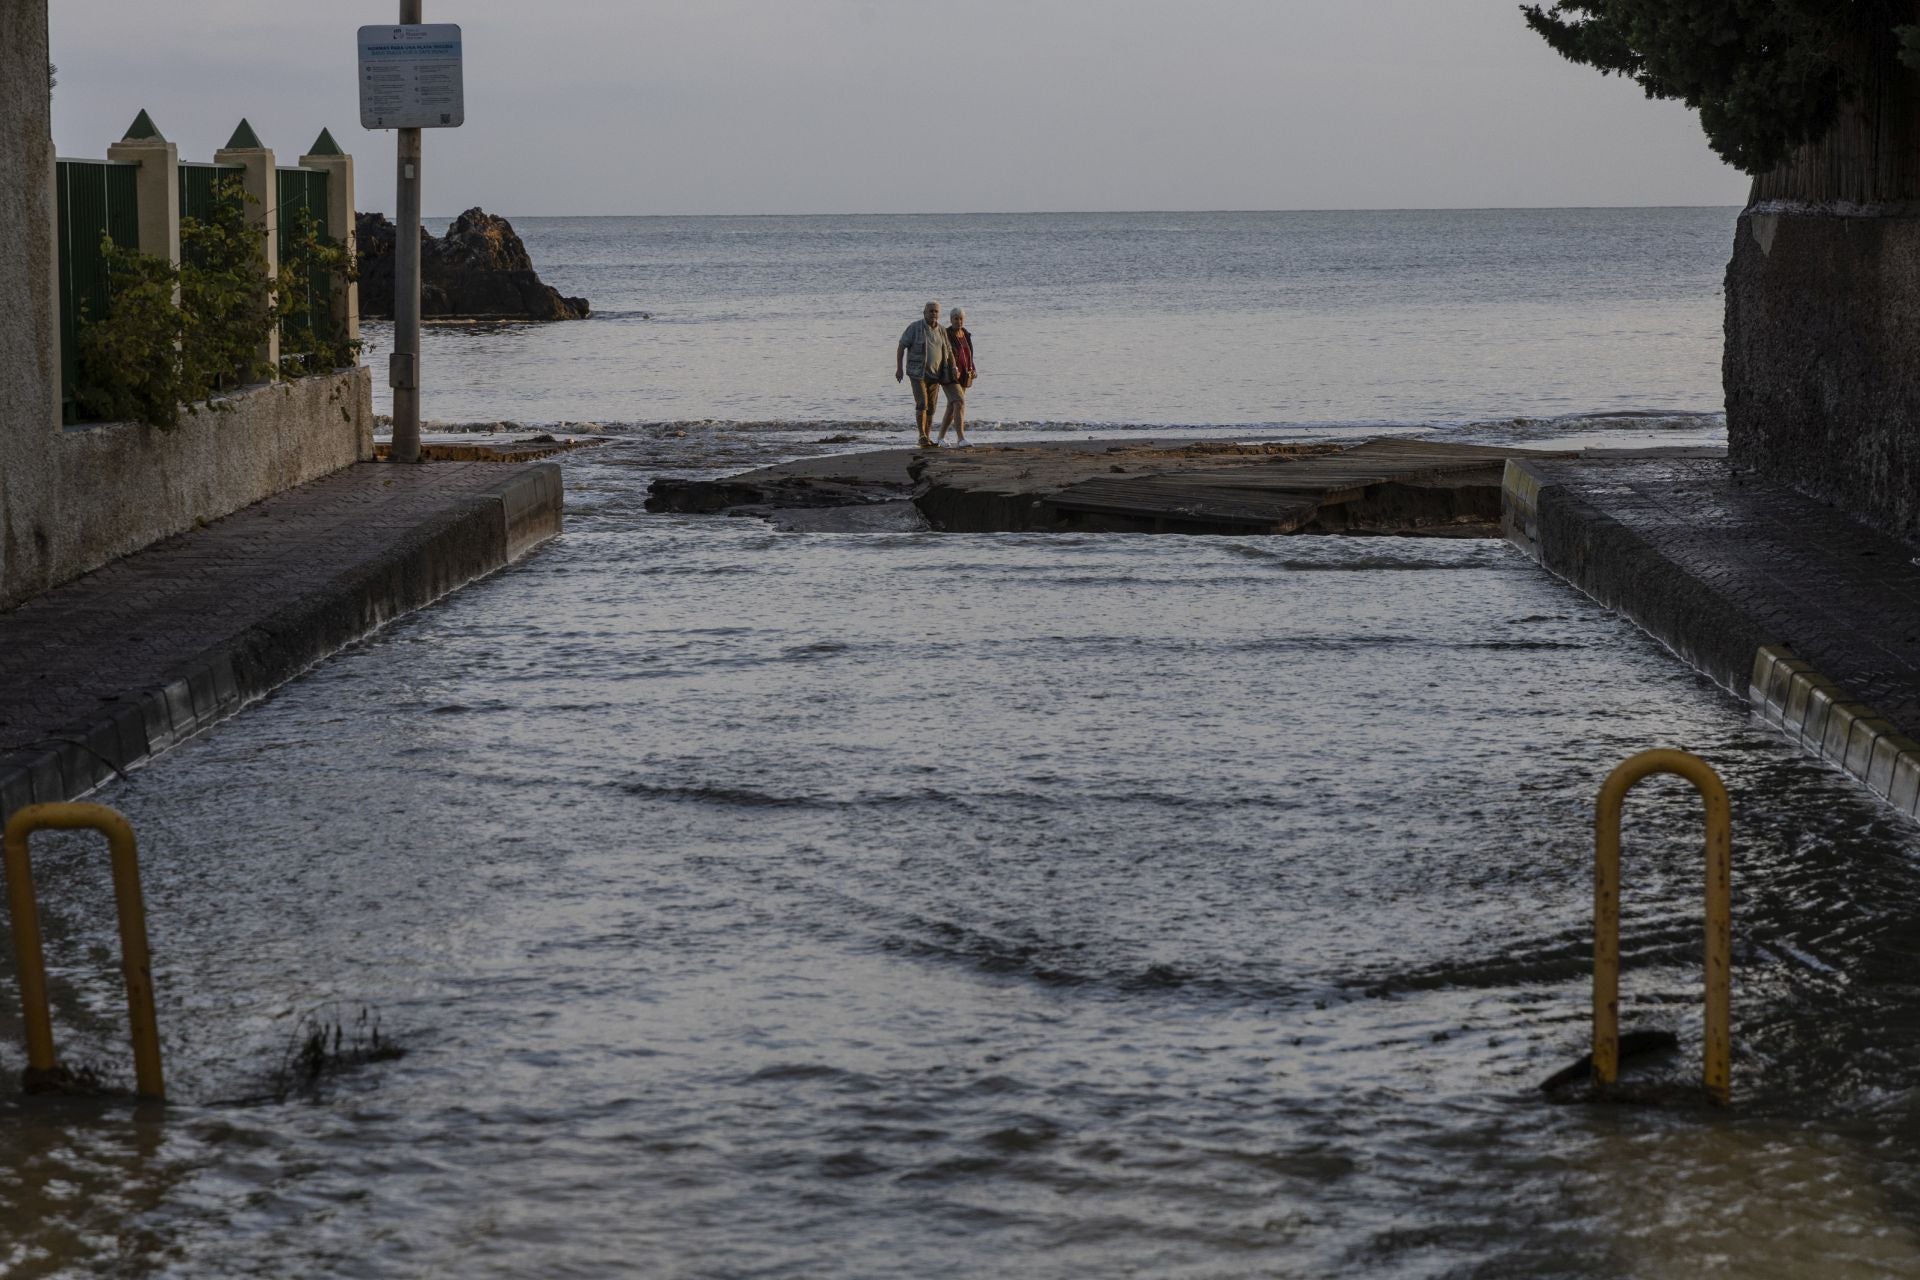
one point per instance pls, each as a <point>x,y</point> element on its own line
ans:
<point>479,270</point>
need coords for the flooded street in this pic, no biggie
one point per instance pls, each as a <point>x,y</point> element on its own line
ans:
<point>750,903</point>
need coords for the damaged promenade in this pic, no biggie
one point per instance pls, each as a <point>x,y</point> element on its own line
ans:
<point>1793,606</point>
<point>1389,486</point>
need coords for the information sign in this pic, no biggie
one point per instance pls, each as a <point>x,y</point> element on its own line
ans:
<point>410,77</point>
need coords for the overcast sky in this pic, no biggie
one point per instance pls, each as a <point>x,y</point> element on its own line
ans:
<point>830,106</point>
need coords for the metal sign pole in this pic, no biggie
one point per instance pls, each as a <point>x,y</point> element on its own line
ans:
<point>404,373</point>
<point>410,79</point>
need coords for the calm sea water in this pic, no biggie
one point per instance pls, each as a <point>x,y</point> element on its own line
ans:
<point>1157,319</point>
<point>759,904</point>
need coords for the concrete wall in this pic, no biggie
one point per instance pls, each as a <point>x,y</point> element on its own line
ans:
<point>29,361</point>
<point>1821,368</point>
<point>116,487</point>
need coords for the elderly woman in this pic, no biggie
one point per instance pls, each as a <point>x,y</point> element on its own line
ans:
<point>962,343</point>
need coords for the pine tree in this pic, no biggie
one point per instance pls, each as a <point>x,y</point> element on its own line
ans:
<point>1765,75</point>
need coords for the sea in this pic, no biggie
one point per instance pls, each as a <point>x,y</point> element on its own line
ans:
<point>700,899</point>
<point>1331,321</point>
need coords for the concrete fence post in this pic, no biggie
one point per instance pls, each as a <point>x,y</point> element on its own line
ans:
<point>327,157</point>
<point>261,181</point>
<point>156,188</point>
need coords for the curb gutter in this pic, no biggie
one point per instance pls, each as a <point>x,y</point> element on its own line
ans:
<point>1628,573</point>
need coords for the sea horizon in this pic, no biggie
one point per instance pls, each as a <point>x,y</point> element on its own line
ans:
<point>1227,318</point>
<point>1045,213</point>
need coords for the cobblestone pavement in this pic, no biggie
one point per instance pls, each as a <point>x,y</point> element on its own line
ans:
<point>1755,562</point>
<point>102,671</point>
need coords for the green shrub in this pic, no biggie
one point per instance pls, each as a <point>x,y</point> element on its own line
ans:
<point>146,358</point>
<point>130,363</point>
<point>223,295</point>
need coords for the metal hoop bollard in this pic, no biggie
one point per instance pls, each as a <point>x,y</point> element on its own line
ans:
<point>1606,914</point>
<point>31,962</point>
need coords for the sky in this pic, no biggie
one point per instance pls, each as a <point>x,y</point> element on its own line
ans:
<point>907,106</point>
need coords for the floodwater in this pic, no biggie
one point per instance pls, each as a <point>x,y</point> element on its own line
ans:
<point>746,903</point>
<point>759,904</point>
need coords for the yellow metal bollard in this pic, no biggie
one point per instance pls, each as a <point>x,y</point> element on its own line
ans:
<point>134,960</point>
<point>1606,913</point>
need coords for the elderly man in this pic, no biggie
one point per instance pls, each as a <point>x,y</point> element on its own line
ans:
<point>924,356</point>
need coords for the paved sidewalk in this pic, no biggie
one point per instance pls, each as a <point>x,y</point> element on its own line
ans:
<point>100,673</point>
<point>1810,616</point>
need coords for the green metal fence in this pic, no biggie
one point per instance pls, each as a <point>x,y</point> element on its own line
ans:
<point>197,187</point>
<point>94,198</point>
<point>199,190</point>
<point>307,189</point>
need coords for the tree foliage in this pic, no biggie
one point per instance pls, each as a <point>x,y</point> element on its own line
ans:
<point>1765,75</point>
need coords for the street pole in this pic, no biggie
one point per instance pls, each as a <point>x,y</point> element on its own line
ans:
<point>404,370</point>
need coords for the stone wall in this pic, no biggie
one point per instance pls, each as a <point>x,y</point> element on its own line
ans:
<point>1822,364</point>
<point>115,487</point>
<point>1823,308</point>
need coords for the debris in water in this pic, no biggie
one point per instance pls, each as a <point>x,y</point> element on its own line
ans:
<point>1633,1044</point>
<point>83,1081</point>
<point>323,1044</point>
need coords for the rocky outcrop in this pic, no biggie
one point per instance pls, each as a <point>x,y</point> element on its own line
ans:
<point>479,270</point>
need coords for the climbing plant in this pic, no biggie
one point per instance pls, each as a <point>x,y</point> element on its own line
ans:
<point>310,341</point>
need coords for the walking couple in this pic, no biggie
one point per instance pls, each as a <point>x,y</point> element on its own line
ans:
<point>936,360</point>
